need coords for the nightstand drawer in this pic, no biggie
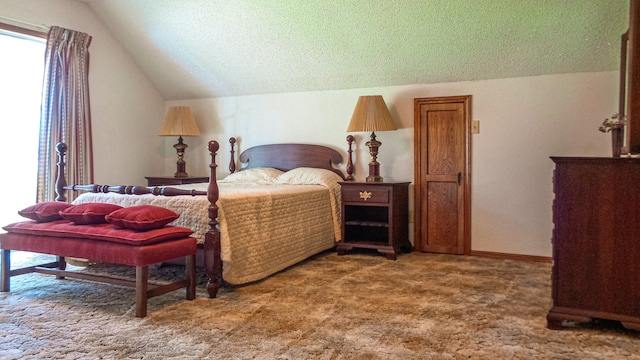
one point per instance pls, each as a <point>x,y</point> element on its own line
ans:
<point>170,180</point>
<point>365,195</point>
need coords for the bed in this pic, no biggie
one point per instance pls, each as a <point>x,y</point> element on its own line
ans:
<point>280,208</point>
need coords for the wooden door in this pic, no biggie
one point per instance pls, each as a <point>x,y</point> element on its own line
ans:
<point>442,174</point>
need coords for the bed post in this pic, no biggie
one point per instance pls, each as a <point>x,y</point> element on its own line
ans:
<point>232,162</point>
<point>61,182</point>
<point>212,259</point>
<point>349,169</point>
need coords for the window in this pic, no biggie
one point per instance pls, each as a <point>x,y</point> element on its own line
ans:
<point>21,71</point>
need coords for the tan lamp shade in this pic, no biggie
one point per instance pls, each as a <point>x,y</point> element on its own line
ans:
<point>179,121</point>
<point>371,114</point>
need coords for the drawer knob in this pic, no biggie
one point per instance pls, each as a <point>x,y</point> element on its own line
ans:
<point>365,195</point>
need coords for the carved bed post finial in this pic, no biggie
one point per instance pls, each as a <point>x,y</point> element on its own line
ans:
<point>349,177</point>
<point>61,182</point>
<point>213,264</point>
<point>232,162</point>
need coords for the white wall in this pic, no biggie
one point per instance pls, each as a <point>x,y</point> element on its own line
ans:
<point>126,109</point>
<point>523,121</point>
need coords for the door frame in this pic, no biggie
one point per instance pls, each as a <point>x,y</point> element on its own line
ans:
<point>466,100</point>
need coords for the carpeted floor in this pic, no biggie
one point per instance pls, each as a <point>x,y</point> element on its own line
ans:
<point>361,306</point>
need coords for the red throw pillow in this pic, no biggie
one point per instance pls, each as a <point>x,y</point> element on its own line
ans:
<point>44,211</point>
<point>89,213</point>
<point>143,217</point>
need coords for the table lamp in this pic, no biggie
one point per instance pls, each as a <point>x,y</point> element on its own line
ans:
<point>371,114</point>
<point>179,122</point>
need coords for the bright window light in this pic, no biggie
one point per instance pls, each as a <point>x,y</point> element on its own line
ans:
<point>21,72</point>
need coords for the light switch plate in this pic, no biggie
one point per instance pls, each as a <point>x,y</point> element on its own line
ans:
<point>475,127</point>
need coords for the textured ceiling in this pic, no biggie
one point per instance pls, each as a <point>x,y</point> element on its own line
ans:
<point>212,48</point>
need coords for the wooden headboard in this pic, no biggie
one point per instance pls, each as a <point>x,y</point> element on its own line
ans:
<point>290,156</point>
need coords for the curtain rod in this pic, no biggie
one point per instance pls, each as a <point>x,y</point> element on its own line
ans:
<point>37,27</point>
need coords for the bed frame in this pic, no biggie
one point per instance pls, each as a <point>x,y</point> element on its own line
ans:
<point>280,156</point>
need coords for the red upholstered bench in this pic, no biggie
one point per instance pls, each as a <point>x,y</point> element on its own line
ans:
<point>102,243</point>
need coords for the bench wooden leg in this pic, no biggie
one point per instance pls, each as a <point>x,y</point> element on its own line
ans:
<point>62,265</point>
<point>191,275</point>
<point>4,272</point>
<point>142,276</point>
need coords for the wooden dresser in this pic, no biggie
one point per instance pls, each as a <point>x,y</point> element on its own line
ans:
<point>596,241</point>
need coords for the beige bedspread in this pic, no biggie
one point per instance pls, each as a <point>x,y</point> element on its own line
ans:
<point>264,228</point>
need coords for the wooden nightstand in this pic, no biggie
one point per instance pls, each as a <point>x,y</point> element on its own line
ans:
<point>170,180</point>
<point>375,216</point>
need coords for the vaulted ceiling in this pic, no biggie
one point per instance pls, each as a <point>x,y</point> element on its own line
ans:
<point>212,48</point>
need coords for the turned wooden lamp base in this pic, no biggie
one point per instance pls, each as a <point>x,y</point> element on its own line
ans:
<point>374,166</point>
<point>181,165</point>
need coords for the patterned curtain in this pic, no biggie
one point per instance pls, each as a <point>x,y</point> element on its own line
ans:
<point>65,111</point>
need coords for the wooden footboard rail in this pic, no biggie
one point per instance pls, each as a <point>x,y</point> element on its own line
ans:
<point>211,245</point>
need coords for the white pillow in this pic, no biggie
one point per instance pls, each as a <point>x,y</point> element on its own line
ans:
<point>254,175</point>
<point>309,176</point>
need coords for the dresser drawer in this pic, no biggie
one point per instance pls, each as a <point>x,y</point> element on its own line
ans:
<point>365,195</point>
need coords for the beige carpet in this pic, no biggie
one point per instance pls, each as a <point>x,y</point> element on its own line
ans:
<point>422,306</point>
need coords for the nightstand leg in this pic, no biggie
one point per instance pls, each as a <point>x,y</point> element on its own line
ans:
<point>391,255</point>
